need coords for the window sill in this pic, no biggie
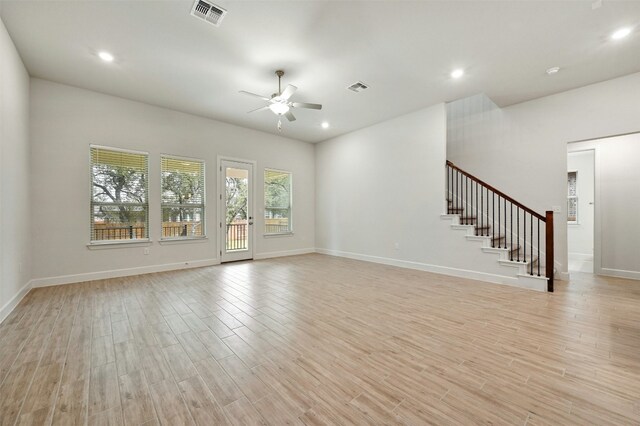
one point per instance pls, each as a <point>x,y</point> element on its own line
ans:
<point>118,244</point>
<point>186,240</point>
<point>279,234</point>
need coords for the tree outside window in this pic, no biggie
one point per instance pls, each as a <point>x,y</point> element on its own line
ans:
<point>119,204</point>
<point>277,200</point>
<point>183,195</point>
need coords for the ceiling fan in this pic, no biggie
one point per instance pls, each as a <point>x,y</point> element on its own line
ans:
<point>279,103</point>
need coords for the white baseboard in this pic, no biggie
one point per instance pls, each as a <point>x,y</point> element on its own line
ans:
<point>272,254</point>
<point>116,273</point>
<point>620,273</point>
<point>11,304</point>
<point>444,270</point>
<point>581,256</point>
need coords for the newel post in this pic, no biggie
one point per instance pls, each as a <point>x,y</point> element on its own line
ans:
<point>549,250</point>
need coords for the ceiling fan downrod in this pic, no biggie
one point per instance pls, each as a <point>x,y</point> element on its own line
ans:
<point>279,73</point>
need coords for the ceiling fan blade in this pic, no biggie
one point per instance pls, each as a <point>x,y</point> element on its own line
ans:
<point>290,116</point>
<point>255,95</point>
<point>288,91</point>
<point>306,105</point>
<point>258,109</point>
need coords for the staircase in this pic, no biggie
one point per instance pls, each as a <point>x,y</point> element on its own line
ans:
<point>521,237</point>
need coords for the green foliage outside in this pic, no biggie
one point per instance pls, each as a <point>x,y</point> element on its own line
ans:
<point>180,187</point>
<point>237,199</point>
<point>119,184</point>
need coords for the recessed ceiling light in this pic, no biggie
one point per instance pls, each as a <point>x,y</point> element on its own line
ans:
<point>553,70</point>
<point>105,56</point>
<point>621,33</point>
<point>457,73</point>
<point>325,125</point>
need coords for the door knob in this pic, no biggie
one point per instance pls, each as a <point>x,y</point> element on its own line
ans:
<point>250,222</point>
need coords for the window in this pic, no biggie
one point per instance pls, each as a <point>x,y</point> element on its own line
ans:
<point>183,197</point>
<point>119,203</point>
<point>277,202</point>
<point>572,197</point>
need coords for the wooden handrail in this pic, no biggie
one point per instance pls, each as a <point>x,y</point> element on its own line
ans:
<point>497,191</point>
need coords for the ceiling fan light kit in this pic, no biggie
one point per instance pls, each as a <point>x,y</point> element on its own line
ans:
<point>279,102</point>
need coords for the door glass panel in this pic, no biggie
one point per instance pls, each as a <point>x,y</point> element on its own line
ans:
<point>237,206</point>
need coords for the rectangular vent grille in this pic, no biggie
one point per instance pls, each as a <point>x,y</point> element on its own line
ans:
<point>208,12</point>
<point>358,86</point>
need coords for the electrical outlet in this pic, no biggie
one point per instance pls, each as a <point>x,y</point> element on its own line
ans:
<point>146,250</point>
<point>556,209</point>
<point>397,246</point>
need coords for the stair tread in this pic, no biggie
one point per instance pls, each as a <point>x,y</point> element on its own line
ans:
<point>523,259</point>
<point>511,247</point>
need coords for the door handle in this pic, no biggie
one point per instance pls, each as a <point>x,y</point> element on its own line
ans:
<point>250,222</point>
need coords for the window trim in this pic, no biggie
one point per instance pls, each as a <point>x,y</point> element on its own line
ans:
<point>114,243</point>
<point>203,206</point>
<point>264,202</point>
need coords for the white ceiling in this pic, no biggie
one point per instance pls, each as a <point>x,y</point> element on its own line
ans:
<point>403,50</point>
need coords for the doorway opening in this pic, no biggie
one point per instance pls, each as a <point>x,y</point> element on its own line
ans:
<point>611,203</point>
<point>580,210</point>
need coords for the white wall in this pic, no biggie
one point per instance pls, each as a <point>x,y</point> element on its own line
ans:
<point>385,185</point>
<point>580,235</point>
<point>66,120</point>
<point>15,227</point>
<point>617,204</point>
<point>522,149</point>
<point>382,185</point>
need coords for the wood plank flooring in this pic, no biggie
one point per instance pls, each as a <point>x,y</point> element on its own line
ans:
<point>315,340</point>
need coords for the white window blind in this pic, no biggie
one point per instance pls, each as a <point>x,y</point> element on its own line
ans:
<point>183,198</point>
<point>119,201</point>
<point>277,202</point>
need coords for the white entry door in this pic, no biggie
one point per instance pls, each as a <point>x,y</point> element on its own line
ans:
<point>236,217</point>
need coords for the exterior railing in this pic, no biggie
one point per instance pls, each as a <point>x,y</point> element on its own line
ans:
<point>119,233</point>
<point>274,228</point>
<point>130,232</point>
<point>237,236</point>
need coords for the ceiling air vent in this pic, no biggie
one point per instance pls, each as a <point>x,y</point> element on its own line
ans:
<point>208,12</point>
<point>358,86</point>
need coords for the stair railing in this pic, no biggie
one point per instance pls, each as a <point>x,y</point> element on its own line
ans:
<point>492,213</point>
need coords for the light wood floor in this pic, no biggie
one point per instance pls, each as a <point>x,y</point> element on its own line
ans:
<point>321,340</point>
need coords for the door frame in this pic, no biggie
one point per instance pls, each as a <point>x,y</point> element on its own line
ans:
<point>221,240</point>
<point>582,146</point>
